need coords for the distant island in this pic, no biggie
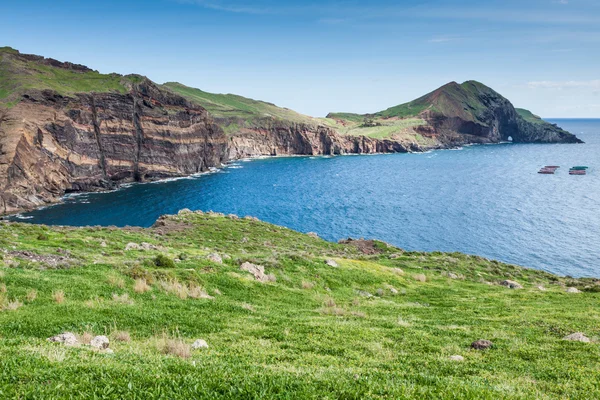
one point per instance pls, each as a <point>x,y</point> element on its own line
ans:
<point>67,128</point>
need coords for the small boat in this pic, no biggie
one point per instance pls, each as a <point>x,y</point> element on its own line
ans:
<point>577,172</point>
<point>552,166</point>
<point>546,171</point>
<point>579,168</point>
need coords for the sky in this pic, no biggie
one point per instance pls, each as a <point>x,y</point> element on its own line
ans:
<point>329,56</point>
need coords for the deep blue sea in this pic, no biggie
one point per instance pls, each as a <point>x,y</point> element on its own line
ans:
<point>484,200</point>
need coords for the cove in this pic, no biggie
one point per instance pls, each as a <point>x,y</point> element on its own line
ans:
<point>484,200</point>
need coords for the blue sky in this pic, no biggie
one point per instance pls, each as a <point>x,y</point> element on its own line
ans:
<point>322,56</point>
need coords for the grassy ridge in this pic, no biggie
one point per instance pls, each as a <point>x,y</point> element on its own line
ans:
<point>18,74</point>
<point>379,325</point>
<point>237,108</point>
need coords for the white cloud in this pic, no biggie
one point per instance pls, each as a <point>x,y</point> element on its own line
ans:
<point>560,85</point>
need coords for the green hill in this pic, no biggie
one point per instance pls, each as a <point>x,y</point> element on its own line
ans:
<point>378,322</point>
<point>233,110</point>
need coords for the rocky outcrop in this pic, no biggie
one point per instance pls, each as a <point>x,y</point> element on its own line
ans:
<point>282,138</point>
<point>474,113</point>
<point>52,144</point>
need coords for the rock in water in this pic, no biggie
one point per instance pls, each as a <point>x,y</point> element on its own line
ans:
<point>577,337</point>
<point>100,342</point>
<point>199,344</point>
<point>481,344</point>
<point>511,284</point>
<point>66,338</point>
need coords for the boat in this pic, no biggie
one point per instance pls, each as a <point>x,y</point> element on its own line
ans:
<point>579,168</point>
<point>577,172</point>
<point>546,171</point>
<point>552,166</point>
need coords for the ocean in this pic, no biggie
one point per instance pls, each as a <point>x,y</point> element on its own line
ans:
<point>486,200</point>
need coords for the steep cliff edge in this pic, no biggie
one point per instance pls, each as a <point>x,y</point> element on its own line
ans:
<point>65,127</point>
<point>258,128</point>
<point>52,142</point>
<point>459,114</point>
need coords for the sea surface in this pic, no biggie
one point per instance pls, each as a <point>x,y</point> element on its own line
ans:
<point>486,200</point>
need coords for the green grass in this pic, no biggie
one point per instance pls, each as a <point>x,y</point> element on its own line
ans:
<point>310,334</point>
<point>232,109</point>
<point>18,75</point>
<point>529,116</point>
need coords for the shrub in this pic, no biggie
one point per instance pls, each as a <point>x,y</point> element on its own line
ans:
<point>141,286</point>
<point>163,261</point>
<point>12,305</point>
<point>123,299</point>
<point>58,296</point>
<point>43,236</point>
<point>31,295</point>
<point>307,285</point>
<point>121,336</point>
<point>117,281</point>
<point>176,347</point>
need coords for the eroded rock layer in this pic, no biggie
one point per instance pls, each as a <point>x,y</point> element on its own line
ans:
<point>51,144</point>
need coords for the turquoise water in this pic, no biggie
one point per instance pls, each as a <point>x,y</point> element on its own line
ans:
<point>485,200</point>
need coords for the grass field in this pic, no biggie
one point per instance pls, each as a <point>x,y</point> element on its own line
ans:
<point>377,325</point>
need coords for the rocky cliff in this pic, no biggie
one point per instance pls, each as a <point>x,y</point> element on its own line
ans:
<point>52,144</point>
<point>67,128</point>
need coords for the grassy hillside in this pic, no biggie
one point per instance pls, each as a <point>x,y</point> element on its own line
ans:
<point>383,323</point>
<point>19,73</point>
<point>237,108</point>
<point>529,116</point>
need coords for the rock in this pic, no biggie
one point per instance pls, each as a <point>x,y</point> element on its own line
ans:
<point>147,246</point>
<point>199,344</point>
<point>543,289</point>
<point>103,244</point>
<point>184,211</point>
<point>364,293</point>
<point>393,290</point>
<point>107,351</point>
<point>577,337</point>
<point>573,290</point>
<point>100,342</point>
<point>214,257</point>
<point>456,357</point>
<point>313,235</point>
<point>331,263</point>
<point>380,292</point>
<point>398,271</point>
<point>66,338</point>
<point>233,216</point>
<point>258,271</point>
<point>395,256</point>
<point>132,246</point>
<point>452,275</point>
<point>511,284</point>
<point>51,161</point>
<point>481,344</point>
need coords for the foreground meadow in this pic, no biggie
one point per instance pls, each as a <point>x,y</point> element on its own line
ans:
<point>321,320</point>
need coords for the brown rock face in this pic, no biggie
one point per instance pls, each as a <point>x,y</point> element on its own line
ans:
<point>50,144</point>
<point>281,138</point>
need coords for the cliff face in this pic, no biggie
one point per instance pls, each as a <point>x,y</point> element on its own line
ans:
<point>52,144</point>
<point>280,138</point>
<point>479,113</point>
<point>65,128</point>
